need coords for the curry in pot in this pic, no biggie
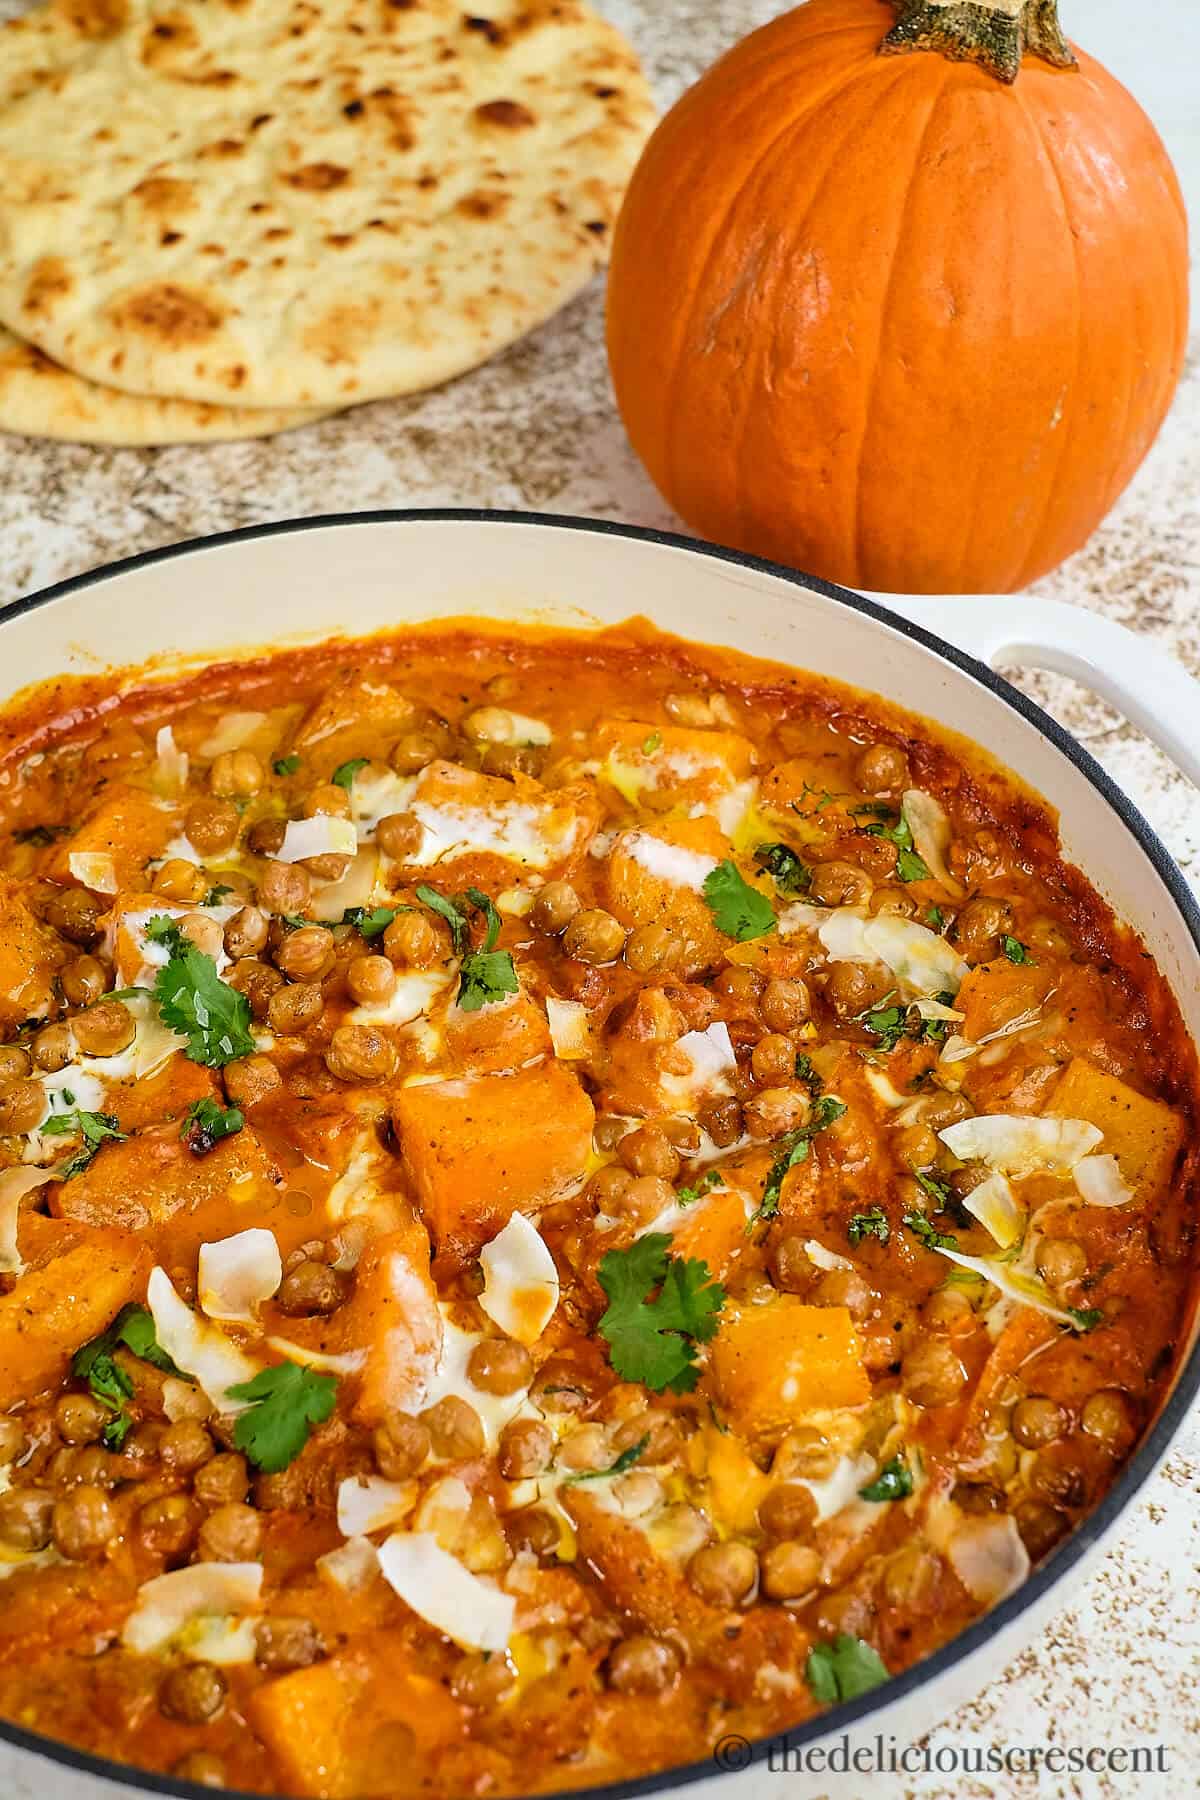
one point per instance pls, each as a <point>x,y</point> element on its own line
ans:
<point>560,1196</point>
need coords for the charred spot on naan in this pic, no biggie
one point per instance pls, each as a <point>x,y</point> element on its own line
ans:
<point>92,19</point>
<point>507,115</point>
<point>318,177</point>
<point>164,194</point>
<point>170,313</point>
<point>50,281</point>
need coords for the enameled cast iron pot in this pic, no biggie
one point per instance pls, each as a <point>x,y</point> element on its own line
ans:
<point>366,572</point>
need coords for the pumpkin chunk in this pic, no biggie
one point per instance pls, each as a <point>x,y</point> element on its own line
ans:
<point>29,955</point>
<point>129,826</point>
<point>75,1283</point>
<point>154,1177</point>
<point>773,1364</point>
<point>1144,1135</point>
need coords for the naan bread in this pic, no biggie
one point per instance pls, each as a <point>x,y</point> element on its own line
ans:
<point>39,398</point>
<point>304,202</point>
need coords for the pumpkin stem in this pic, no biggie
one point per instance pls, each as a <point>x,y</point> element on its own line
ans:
<point>993,33</point>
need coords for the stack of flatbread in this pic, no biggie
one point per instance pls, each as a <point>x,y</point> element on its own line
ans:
<point>224,218</point>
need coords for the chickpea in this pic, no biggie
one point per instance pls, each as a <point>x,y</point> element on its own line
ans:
<point>181,880</point>
<point>1061,1483</point>
<point>201,1768</point>
<point>883,769</point>
<point>265,837</point>
<point>840,884</point>
<point>659,1428</point>
<point>773,1060</point>
<point>775,1110</point>
<point>746,986</point>
<point>788,1511</point>
<point>84,1524</point>
<point>607,1187</point>
<point>643,1665</point>
<point>12,1440</point>
<point>296,1009</point>
<point>401,1445</point>
<point>22,1107</point>
<point>1108,1419</point>
<point>526,1448</point>
<point>454,1428</point>
<point>948,1310</point>
<point>1037,1420</point>
<point>80,1419</point>
<point>845,1287</point>
<point>555,906</point>
<point>222,1481</point>
<point>1048,937</point>
<point>1061,1260</point>
<point>284,888</point>
<point>979,927</point>
<point>246,933</point>
<point>932,1374</point>
<point>75,914</point>
<point>168,1525</point>
<point>789,1570</point>
<point>594,936</point>
<point>894,900</point>
<point>946,1109</point>
<point>310,1288</point>
<point>184,1446</point>
<point>643,1199</point>
<point>400,836</point>
<point>648,1151</point>
<point>250,1081</point>
<point>852,988</point>
<point>689,708</point>
<point>531,1529</point>
<point>258,981</point>
<point>586,1448</point>
<point>233,1533</point>
<point>52,1048</point>
<point>560,1387</point>
<point>26,1518</point>
<point>978,1497</point>
<point>1040,1526</point>
<point>482,1681</point>
<point>371,980</point>
<point>722,1120</point>
<point>283,1643</point>
<point>910,1580</point>
<point>916,1146</point>
<point>306,954</point>
<point>723,1574</point>
<point>421,746</point>
<point>414,941</point>
<point>193,1693</point>
<point>104,1029</point>
<point>328,800</point>
<point>212,825</point>
<point>500,1366</point>
<point>236,774</point>
<point>15,1064</point>
<point>652,947</point>
<point>84,980</point>
<point>360,1053</point>
<point>784,1005</point>
<point>791,1266</point>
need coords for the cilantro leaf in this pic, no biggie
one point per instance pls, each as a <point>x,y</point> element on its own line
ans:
<point>215,895</point>
<point>446,909</point>
<point>793,1149</point>
<point>193,1000</point>
<point>206,1122</point>
<point>738,909</point>
<point>1086,1318</point>
<point>935,918</point>
<point>893,1482</point>
<point>652,743</point>
<point>286,765</point>
<point>710,1179</point>
<point>107,1380</point>
<point>372,921</point>
<point>1016,951</point>
<point>486,976</point>
<point>286,1402</point>
<point>873,1223</point>
<point>93,1127</point>
<point>909,866</point>
<point>625,1461</point>
<point>163,929</point>
<point>888,1023</point>
<point>843,1669</point>
<point>789,873</point>
<point>807,1074</point>
<point>937,1190</point>
<point>654,1341</point>
<point>928,1235</point>
<point>343,775</point>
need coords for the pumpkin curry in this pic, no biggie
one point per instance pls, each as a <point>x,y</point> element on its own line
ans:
<point>560,1196</point>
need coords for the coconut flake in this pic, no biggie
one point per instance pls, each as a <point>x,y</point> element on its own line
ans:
<point>711,1062</point>
<point>344,1362</point>
<point>232,731</point>
<point>988,1556</point>
<point>170,771</point>
<point>843,936</point>
<point>916,956</point>
<point>369,1503</point>
<point>330,899</point>
<point>1017,1145</point>
<point>668,862</point>
<point>167,1605</point>
<point>352,1565</point>
<point>235,1274</point>
<point>957,1048</point>
<point>841,1487</point>
<point>322,835</point>
<point>94,869</point>
<point>927,821</point>
<point>570,1028</point>
<point>825,1259</point>
<point>472,1612</point>
<point>1100,1182</point>
<point>992,1203</point>
<point>14,1185</point>
<point>520,1289</point>
<point>1026,1290</point>
<point>197,1347</point>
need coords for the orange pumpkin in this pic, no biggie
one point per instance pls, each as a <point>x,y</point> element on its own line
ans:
<point>889,318</point>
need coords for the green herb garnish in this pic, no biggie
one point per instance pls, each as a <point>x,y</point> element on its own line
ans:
<point>625,1461</point>
<point>343,775</point>
<point>106,1380</point>
<point>286,765</point>
<point>487,974</point>
<point>738,909</point>
<point>928,1235</point>
<point>792,1149</point>
<point>372,921</point>
<point>909,866</point>
<point>1086,1318</point>
<point>710,1179</point>
<point>193,1000</point>
<point>286,1401</point>
<point>843,1669</point>
<point>789,873</point>
<point>807,1074</point>
<point>935,918</point>
<point>652,743</point>
<point>93,1127</point>
<point>893,1482</point>
<point>1015,950</point>
<point>206,1122</point>
<point>873,1223</point>
<point>215,895</point>
<point>654,1341</point>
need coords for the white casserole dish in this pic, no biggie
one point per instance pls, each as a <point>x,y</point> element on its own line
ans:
<point>367,572</point>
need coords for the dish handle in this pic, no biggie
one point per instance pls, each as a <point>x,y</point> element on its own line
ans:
<point>1152,689</point>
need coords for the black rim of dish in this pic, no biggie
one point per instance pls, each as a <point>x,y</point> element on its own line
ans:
<point>1135,1473</point>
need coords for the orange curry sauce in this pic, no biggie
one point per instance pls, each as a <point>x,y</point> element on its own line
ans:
<point>706,968</point>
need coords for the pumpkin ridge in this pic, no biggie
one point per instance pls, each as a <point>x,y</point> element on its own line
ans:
<point>871,387</point>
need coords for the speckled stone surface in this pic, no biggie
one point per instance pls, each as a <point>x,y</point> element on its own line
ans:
<point>536,429</point>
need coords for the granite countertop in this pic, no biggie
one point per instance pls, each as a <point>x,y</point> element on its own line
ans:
<point>536,429</point>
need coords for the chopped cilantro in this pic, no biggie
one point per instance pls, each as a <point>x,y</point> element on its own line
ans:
<point>206,1122</point>
<point>790,875</point>
<point>193,1000</point>
<point>1015,950</point>
<point>932,1239</point>
<point>372,921</point>
<point>286,765</point>
<point>843,1669</point>
<point>873,1223</point>
<point>163,929</point>
<point>487,974</point>
<point>93,1127</point>
<point>286,1401</point>
<point>107,1381</point>
<point>937,1190</point>
<point>654,1341</point>
<point>652,743</point>
<point>822,796</point>
<point>710,1179</point>
<point>893,1482</point>
<point>1086,1318</point>
<point>935,918</point>
<point>738,909</point>
<point>343,775</point>
<point>446,909</point>
<point>215,895</point>
<point>625,1461</point>
<point>792,1149</point>
<point>888,1023</point>
<point>909,866</point>
<point>807,1074</point>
